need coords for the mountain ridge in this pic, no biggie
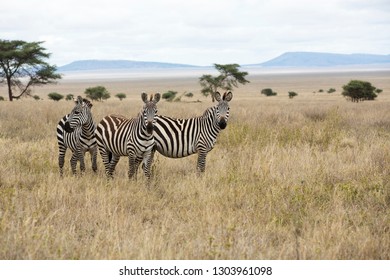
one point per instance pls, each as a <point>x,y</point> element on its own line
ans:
<point>97,64</point>
<point>288,59</point>
<point>319,59</point>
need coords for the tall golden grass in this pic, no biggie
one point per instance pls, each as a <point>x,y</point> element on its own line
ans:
<point>307,178</point>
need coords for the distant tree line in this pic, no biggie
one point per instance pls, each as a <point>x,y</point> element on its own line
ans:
<point>355,91</point>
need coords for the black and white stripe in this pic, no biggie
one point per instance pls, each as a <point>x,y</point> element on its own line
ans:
<point>177,138</point>
<point>76,131</point>
<point>118,136</point>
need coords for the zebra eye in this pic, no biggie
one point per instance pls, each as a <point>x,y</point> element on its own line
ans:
<point>76,112</point>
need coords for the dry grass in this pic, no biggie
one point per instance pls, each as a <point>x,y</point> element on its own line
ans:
<point>307,178</point>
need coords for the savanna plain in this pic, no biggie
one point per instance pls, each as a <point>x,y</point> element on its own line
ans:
<point>301,178</point>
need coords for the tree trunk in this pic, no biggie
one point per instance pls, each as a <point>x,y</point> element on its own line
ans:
<point>9,89</point>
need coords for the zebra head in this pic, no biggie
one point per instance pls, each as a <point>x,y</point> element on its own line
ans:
<point>80,114</point>
<point>222,108</point>
<point>149,111</point>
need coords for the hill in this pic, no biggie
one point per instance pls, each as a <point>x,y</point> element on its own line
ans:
<point>288,59</point>
<point>82,65</point>
<point>315,59</point>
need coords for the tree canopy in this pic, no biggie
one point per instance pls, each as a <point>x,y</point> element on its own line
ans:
<point>97,93</point>
<point>23,65</point>
<point>121,96</point>
<point>229,77</point>
<point>357,90</point>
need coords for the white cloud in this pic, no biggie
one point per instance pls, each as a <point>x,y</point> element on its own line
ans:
<point>197,32</point>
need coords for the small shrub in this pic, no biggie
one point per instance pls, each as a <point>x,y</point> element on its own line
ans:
<point>331,90</point>
<point>169,95</point>
<point>2,98</point>
<point>69,97</point>
<point>378,91</point>
<point>292,94</point>
<point>189,94</point>
<point>268,92</point>
<point>121,96</point>
<point>55,96</point>
<point>321,90</point>
<point>36,97</point>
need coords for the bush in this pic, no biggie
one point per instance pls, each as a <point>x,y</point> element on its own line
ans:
<point>120,96</point>
<point>357,91</point>
<point>36,97</point>
<point>55,96</point>
<point>69,97</point>
<point>2,98</point>
<point>378,91</point>
<point>169,95</point>
<point>268,92</point>
<point>97,93</point>
<point>189,94</point>
<point>331,90</point>
<point>292,94</point>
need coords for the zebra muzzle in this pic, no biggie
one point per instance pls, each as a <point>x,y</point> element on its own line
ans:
<point>149,127</point>
<point>68,128</point>
<point>222,124</point>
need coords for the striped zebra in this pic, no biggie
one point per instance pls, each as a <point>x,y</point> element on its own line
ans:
<point>118,136</point>
<point>76,131</point>
<point>177,138</point>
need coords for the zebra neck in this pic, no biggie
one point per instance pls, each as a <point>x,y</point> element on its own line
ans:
<point>210,119</point>
<point>141,124</point>
<point>88,129</point>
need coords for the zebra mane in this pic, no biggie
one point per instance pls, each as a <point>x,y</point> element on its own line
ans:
<point>87,102</point>
<point>209,111</point>
<point>83,100</point>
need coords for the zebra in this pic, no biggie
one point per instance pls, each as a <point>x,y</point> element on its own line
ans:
<point>76,131</point>
<point>177,138</point>
<point>118,136</point>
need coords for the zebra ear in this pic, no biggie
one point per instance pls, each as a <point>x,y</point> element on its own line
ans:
<point>217,96</point>
<point>227,96</point>
<point>157,97</point>
<point>79,100</point>
<point>144,97</point>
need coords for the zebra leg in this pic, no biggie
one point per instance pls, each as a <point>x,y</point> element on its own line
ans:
<point>133,166</point>
<point>201,165</point>
<point>113,163</point>
<point>106,160</point>
<point>81,159</point>
<point>93,153</point>
<point>73,163</point>
<point>147,163</point>
<point>61,159</point>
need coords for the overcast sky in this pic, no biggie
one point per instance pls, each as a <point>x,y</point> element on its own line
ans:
<point>200,32</point>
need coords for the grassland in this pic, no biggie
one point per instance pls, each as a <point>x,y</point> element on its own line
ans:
<point>307,178</point>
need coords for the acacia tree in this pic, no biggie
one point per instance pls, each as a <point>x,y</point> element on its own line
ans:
<point>22,66</point>
<point>357,90</point>
<point>229,77</point>
<point>97,93</point>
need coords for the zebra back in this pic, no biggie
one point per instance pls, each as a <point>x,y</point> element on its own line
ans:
<point>178,138</point>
